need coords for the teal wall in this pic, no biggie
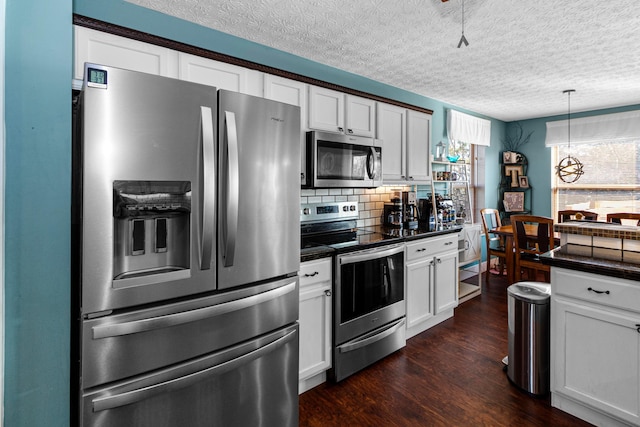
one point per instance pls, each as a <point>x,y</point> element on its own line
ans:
<point>37,198</point>
<point>539,156</point>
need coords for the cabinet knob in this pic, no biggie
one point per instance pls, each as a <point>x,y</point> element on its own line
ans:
<point>439,261</point>
<point>350,131</point>
<point>340,129</point>
<point>410,178</point>
<point>327,292</point>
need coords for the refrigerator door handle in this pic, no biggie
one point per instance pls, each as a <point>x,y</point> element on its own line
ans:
<point>129,397</point>
<point>109,330</point>
<point>232,190</point>
<point>208,190</point>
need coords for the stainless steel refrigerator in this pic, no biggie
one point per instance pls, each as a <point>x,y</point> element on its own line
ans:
<point>186,248</point>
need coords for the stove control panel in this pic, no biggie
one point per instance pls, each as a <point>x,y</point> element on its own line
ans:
<point>319,212</point>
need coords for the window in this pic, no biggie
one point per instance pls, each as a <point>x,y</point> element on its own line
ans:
<point>611,182</point>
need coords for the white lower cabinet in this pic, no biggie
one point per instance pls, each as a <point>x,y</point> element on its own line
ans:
<point>431,275</point>
<point>315,322</point>
<point>595,347</point>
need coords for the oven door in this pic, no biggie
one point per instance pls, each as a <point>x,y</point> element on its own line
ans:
<point>369,290</point>
<point>344,161</point>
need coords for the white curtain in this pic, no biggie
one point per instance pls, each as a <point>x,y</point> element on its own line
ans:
<point>607,127</point>
<point>469,129</point>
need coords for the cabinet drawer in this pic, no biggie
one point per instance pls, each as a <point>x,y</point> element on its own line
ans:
<point>618,293</point>
<point>315,272</point>
<point>431,246</point>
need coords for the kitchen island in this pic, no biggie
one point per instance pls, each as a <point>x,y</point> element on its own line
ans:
<point>595,322</point>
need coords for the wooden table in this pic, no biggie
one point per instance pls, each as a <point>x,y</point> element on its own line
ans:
<point>506,231</point>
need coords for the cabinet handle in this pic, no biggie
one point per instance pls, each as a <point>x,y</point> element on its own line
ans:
<point>340,129</point>
<point>410,178</point>
<point>350,131</point>
<point>315,273</point>
<point>448,243</point>
<point>638,328</point>
<point>421,250</point>
<point>597,291</point>
<point>439,261</point>
<point>328,293</point>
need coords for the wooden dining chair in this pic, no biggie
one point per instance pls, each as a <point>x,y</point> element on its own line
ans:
<point>495,244</point>
<point>533,236</point>
<point>618,217</point>
<point>578,215</point>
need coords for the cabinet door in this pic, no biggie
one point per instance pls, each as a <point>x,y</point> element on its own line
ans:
<point>418,147</point>
<point>391,129</point>
<point>219,74</point>
<point>360,116</point>
<point>294,93</point>
<point>472,246</point>
<point>315,330</point>
<point>445,281</point>
<point>419,296</point>
<point>596,357</point>
<point>326,109</point>
<point>107,49</point>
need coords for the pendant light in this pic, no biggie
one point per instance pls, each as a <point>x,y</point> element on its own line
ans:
<point>569,169</point>
<point>463,39</point>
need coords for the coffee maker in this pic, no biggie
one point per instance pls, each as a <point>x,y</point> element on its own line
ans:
<point>393,212</point>
<point>410,209</point>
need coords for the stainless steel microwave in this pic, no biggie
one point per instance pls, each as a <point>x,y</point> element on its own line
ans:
<point>335,160</point>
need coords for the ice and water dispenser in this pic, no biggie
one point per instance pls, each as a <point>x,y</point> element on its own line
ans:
<point>151,227</point>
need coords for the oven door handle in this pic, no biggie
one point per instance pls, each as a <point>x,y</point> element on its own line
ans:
<point>372,337</point>
<point>369,255</point>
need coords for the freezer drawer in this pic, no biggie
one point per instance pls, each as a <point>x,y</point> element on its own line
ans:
<point>225,388</point>
<point>128,344</point>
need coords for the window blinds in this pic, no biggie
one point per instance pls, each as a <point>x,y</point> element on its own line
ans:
<point>469,129</point>
<point>603,128</point>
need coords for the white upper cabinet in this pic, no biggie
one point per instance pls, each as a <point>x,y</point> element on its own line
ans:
<point>405,136</point>
<point>391,129</point>
<point>334,111</point>
<point>294,93</point>
<point>107,49</point>
<point>220,74</point>
<point>326,109</point>
<point>360,118</point>
<point>418,147</point>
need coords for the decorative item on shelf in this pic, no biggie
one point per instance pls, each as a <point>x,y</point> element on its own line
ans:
<point>513,142</point>
<point>441,152</point>
<point>513,201</point>
<point>514,171</point>
<point>569,169</point>
<point>453,159</point>
<point>524,182</point>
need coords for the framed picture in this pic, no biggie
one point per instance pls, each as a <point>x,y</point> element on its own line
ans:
<point>513,201</point>
<point>515,172</point>
<point>523,181</point>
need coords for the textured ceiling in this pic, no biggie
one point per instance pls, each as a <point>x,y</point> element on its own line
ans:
<point>521,54</point>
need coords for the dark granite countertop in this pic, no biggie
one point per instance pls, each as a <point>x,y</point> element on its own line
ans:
<point>370,237</point>
<point>570,257</point>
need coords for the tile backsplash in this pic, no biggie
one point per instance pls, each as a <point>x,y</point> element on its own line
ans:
<point>370,200</point>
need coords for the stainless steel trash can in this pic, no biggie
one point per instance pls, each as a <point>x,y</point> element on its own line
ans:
<point>529,314</point>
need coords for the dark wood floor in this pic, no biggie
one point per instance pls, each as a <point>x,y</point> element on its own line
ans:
<point>450,375</point>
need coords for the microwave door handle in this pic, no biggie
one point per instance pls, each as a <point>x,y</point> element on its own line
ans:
<point>208,188</point>
<point>233,189</point>
<point>371,163</point>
